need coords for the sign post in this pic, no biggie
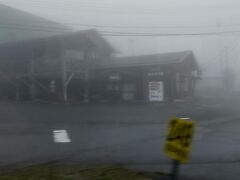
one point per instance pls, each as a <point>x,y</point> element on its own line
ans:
<point>178,142</point>
<point>175,170</point>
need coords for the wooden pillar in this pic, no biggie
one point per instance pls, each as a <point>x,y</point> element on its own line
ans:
<point>17,90</point>
<point>190,85</point>
<point>171,79</point>
<point>86,77</point>
<point>193,86</point>
<point>86,88</point>
<point>145,93</point>
<point>32,78</point>
<point>63,72</point>
<point>64,86</point>
<point>181,86</point>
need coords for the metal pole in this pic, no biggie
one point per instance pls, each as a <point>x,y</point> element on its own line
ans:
<point>175,170</point>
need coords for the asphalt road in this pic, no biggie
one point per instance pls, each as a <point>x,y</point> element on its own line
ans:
<point>131,135</point>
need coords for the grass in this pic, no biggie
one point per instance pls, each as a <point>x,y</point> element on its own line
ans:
<point>49,172</point>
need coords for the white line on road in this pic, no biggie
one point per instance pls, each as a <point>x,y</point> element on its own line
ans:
<point>61,136</point>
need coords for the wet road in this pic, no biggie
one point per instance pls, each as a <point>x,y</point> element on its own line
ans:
<point>130,135</point>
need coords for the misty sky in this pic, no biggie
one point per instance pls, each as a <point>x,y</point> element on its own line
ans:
<point>153,16</point>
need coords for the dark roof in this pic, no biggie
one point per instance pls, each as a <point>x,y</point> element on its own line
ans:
<point>96,38</point>
<point>75,40</point>
<point>151,59</point>
<point>16,25</point>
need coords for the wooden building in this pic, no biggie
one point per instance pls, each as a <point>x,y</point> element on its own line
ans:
<point>52,68</point>
<point>155,77</point>
<point>81,66</point>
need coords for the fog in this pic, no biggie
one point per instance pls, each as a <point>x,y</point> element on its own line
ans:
<point>186,16</point>
<point>89,82</point>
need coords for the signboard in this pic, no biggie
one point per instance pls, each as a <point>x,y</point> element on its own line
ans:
<point>156,91</point>
<point>114,77</point>
<point>179,139</point>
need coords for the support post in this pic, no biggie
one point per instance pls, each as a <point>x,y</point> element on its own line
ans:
<point>145,93</point>
<point>193,86</point>
<point>32,78</point>
<point>171,86</point>
<point>86,77</point>
<point>175,170</point>
<point>86,88</point>
<point>17,94</point>
<point>63,73</point>
<point>64,86</point>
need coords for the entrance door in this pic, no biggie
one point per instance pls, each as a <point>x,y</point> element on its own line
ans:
<point>129,91</point>
<point>156,92</point>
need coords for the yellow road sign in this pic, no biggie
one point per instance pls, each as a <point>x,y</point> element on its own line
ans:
<point>179,139</point>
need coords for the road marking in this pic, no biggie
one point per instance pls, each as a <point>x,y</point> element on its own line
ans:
<point>61,136</point>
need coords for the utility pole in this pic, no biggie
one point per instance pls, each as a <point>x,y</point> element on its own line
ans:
<point>221,63</point>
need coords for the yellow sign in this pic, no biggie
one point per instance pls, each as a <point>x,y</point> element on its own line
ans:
<point>179,139</point>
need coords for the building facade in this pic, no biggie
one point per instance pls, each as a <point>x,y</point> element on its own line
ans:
<point>52,68</point>
<point>81,67</point>
<point>153,78</point>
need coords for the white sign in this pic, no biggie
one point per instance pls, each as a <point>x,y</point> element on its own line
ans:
<point>61,136</point>
<point>114,77</point>
<point>156,91</point>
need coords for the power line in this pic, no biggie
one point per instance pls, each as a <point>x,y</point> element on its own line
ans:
<point>63,3</point>
<point>111,33</point>
<point>108,33</point>
<point>47,24</point>
<point>104,8</point>
<point>145,27</point>
<point>85,5</point>
<point>94,8</point>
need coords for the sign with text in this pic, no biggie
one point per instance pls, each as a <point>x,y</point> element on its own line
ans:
<point>156,91</point>
<point>179,139</point>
